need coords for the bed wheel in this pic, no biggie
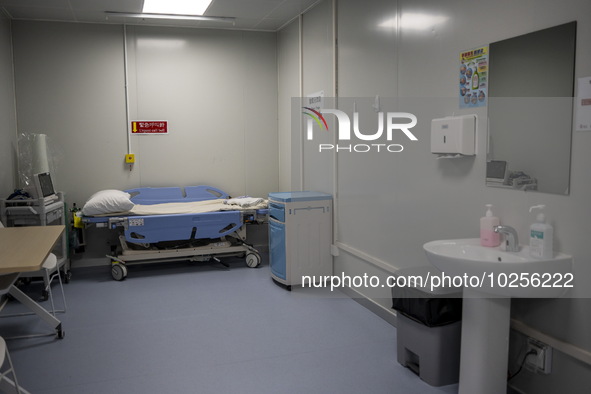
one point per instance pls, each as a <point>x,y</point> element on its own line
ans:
<point>118,271</point>
<point>67,276</point>
<point>253,260</point>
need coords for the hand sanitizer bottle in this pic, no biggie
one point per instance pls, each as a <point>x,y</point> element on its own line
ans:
<point>541,238</point>
<point>488,237</point>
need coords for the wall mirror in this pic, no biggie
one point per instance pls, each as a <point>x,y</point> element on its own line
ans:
<point>530,110</point>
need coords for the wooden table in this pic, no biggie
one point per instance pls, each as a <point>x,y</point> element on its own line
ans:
<point>24,249</point>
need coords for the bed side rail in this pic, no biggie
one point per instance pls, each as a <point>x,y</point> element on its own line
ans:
<point>159,195</point>
<point>155,195</point>
<point>203,192</point>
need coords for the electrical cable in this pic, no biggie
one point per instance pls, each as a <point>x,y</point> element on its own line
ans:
<point>522,364</point>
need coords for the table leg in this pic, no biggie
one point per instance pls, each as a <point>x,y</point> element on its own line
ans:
<point>8,386</point>
<point>37,309</point>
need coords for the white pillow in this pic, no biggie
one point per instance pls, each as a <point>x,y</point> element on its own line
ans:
<point>107,201</point>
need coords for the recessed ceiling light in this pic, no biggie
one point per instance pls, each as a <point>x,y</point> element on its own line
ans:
<point>176,7</point>
<point>414,21</point>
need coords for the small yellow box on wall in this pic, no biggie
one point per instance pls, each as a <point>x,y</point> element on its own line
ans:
<point>130,158</point>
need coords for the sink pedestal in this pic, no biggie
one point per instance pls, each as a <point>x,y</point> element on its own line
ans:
<point>485,343</point>
<point>486,318</point>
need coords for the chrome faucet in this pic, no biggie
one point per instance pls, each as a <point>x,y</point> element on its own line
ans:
<point>510,237</point>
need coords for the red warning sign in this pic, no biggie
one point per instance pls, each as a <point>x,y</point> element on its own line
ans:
<point>149,127</point>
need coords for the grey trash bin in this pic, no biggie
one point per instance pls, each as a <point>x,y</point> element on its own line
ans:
<point>428,328</point>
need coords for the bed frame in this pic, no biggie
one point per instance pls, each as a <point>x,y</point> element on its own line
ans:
<point>179,237</point>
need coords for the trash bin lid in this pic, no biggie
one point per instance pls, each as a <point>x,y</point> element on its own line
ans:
<point>299,196</point>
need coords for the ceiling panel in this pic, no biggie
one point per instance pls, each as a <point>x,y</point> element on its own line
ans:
<point>40,13</point>
<point>290,9</point>
<point>266,15</point>
<point>38,3</point>
<point>255,9</point>
<point>269,24</point>
<point>80,6</point>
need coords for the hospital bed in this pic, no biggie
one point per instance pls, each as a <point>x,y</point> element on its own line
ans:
<point>206,228</point>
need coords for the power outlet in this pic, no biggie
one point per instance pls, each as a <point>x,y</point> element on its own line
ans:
<point>541,361</point>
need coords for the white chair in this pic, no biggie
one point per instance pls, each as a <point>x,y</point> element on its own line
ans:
<point>49,271</point>
<point>4,373</point>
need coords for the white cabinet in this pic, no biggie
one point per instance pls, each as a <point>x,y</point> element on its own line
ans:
<point>300,236</point>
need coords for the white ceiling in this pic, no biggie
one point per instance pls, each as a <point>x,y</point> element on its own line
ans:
<point>250,14</point>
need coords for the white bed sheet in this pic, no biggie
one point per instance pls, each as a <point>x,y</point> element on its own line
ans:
<point>172,208</point>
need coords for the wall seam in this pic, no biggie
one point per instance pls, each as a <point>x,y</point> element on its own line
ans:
<point>15,179</point>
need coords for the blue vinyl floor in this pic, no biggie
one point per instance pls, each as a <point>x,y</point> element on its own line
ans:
<point>204,328</point>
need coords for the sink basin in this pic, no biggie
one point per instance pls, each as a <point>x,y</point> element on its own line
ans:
<point>501,273</point>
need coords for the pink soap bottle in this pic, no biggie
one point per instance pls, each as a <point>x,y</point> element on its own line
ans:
<point>488,237</point>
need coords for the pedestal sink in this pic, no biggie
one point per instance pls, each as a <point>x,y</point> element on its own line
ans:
<point>490,277</point>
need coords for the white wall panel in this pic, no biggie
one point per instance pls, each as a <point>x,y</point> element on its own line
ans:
<point>260,132</point>
<point>389,205</point>
<point>216,88</point>
<point>288,70</point>
<point>70,86</point>
<point>451,192</point>
<point>317,41</point>
<point>367,53</point>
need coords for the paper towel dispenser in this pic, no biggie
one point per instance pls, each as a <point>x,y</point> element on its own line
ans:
<point>454,135</point>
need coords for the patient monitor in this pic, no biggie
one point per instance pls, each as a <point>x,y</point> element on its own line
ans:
<point>497,172</point>
<point>43,188</point>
